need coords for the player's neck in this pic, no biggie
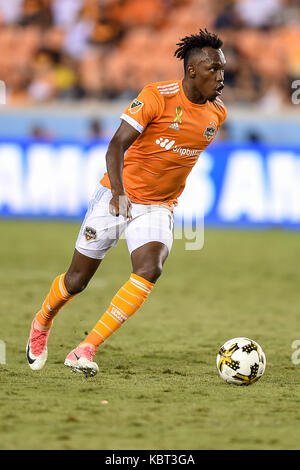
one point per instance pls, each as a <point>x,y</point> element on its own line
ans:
<point>192,93</point>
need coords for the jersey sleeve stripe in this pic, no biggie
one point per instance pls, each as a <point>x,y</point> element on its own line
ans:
<point>169,92</point>
<point>171,85</point>
<point>219,102</point>
<point>132,122</point>
<point>175,87</point>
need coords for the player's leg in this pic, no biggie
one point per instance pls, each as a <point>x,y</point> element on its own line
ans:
<point>147,258</point>
<point>63,289</point>
<point>80,272</point>
<point>147,262</point>
<point>96,237</point>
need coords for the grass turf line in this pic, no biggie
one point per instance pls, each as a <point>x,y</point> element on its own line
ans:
<point>158,371</point>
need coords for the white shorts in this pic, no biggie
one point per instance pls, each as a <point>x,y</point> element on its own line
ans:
<point>100,230</point>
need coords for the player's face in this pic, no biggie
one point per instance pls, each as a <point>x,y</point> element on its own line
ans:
<point>209,73</point>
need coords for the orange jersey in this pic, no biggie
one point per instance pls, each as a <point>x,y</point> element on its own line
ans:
<point>174,132</point>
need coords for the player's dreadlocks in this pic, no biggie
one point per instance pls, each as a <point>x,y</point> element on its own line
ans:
<point>196,41</point>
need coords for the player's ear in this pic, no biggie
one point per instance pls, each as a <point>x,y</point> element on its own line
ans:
<point>191,71</point>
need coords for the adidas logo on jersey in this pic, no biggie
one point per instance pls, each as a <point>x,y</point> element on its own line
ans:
<point>175,126</point>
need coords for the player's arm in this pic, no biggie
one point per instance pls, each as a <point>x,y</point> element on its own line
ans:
<point>121,141</point>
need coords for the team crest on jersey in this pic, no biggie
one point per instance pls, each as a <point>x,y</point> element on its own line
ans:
<point>90,233</point>
<point>135,106</point>
<point>210,131</point>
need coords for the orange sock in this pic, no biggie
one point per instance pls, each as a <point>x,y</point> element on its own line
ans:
<point>57,297</point>
<point>124,304</point>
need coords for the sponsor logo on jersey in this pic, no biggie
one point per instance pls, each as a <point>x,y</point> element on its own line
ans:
<point>187,152</point>
<point>135,106</point>
<point>210,131</point>
<point>168,144</point>
<point>165,143</point>
<point>90,233</point>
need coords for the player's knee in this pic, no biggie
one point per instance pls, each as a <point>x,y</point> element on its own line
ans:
<point>75,282</point>
<point>151,272</point>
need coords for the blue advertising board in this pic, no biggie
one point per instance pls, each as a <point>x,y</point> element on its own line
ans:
<point>231,184</point>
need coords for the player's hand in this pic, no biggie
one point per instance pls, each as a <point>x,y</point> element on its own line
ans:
<point>120,205</point>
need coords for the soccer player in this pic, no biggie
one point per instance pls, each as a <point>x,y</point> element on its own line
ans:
<point>163,132</point>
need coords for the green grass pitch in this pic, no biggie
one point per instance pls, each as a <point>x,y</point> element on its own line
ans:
<point>158,372</point>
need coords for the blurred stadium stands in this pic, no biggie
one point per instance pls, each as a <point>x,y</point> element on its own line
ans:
<point>107,49</point>
<point>95,55</point>
<point>92,53</point>
<point>71,67</point>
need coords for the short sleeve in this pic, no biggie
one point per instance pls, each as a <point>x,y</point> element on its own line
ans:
<point>143,109</point>
<point>223,116</point>
<point>221,110</point>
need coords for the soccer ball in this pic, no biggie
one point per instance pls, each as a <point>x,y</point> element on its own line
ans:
<point>241,361</point>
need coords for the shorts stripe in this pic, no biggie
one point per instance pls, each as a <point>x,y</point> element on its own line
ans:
<point>92,203</point>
